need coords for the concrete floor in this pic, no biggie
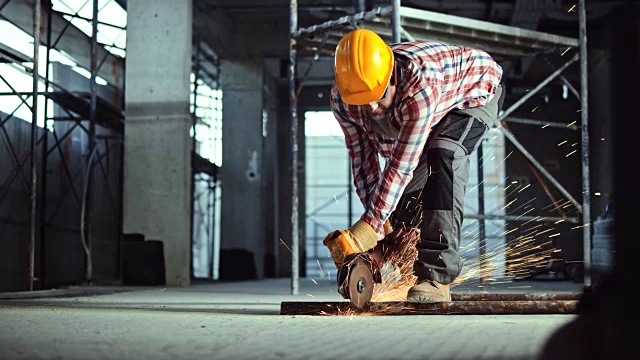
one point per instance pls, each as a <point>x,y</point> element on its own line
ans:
<point>242,321</point>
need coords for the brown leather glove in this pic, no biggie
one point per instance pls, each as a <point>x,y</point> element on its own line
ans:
<point>343,244</point>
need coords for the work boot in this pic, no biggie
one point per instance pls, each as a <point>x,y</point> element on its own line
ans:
<point>428,291</point>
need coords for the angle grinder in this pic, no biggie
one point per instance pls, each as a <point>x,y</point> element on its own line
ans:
<point>356,279</point>
<point>360,273</point>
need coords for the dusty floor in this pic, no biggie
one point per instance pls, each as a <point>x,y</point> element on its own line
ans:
<point>242,321</point>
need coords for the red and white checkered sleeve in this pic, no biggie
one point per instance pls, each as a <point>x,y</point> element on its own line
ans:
<point>418,114</point>
<point>364,158</point>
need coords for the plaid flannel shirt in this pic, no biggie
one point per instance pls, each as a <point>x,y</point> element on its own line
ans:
<point>436,79</point>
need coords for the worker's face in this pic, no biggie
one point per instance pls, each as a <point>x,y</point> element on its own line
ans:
<point>378,109</point>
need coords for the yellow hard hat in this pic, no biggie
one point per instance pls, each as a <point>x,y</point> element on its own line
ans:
<point>364,63</point>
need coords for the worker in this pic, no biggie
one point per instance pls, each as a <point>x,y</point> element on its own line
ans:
<point>424,107</point>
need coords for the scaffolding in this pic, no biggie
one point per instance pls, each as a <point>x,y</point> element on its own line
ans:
<point>206,115</point>
<point>395,23</point>
<point>79,107</point>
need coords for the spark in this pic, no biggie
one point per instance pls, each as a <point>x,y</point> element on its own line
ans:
<point>573,7</point>
<point>574,144</point>
<point>571,153</point>
<point>554,235</point>
<point>285,245</point>
<point>597,194</point>
<point>602,139</point>
<point>504,159</point>
<point>580,226</point>
<point>545,126</point>
<point>335,198</point>
<point>564,52</point>
<point>314,281</point>
<point>559,221</point>
<point>579,110</point>
<point>163,289</point>
<point>562,143</point>
<point>319,266</point>
<point>571,124</point>
<point>309,295</point>
<point>528,211</point>
<point>524,188</point>
<point>509,204</point>
<point>535,108</point>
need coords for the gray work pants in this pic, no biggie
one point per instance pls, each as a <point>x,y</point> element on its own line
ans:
<point>434,199</point>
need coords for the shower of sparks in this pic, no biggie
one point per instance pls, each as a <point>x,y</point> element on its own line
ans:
<point>573,7</point>
<point>571,153</point>
<point>524,188</point>
<point>285,245</point>
<point>571,124</point>
<point>564,52</point>
<point>562,143</point>
<point>545,126</point>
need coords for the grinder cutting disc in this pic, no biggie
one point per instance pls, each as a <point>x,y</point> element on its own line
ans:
<point>360,286</point>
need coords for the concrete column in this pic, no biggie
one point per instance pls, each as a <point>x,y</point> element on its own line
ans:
<point>243,225</point>
<point>157,179</point>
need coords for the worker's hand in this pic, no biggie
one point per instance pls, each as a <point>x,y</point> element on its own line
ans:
<point>387,228</point>
<point>343,244</point>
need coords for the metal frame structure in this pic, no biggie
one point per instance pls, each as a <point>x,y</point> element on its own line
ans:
<point>394,23</point>
<point>78,107</point>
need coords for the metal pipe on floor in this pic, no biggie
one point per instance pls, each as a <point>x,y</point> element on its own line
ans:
<point>293,107</point>
<point>33,191</point>
<point>513,297</point>
<point>395,21</point>
<point>584,128</point>
<point>444,308</point>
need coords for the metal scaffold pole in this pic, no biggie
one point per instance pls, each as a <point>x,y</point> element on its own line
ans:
<point>88,195</point>
<point>584,101</point>
<point>482,245</point>
<point>293,106</point>
<point>34,128</point>
<point>395,21</point>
